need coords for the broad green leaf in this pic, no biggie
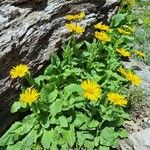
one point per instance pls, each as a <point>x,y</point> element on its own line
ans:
<point>29,140</point>
<point>56,107</point>
<point>45,91</point>
<point>80,138</point>
<point>46,139</point>
<point>89,144</point>
<point>107,136</point>
<point>93,124</point>
<point>53,95</point>
<point>17,146</point>
<point>104,148</point>
<point>16,106</point>
<point>73,88</point>
<point>118,20</point>
<point>63,121</point>
<point>8,137</point>
<point>41,78</point>
<point>69,136</point>
<point>122,133</point>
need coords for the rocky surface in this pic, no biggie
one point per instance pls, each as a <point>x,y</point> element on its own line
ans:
<point>30,30</point>
<point>137,141</point>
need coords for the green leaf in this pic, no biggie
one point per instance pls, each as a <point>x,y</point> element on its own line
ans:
<point>53,95</point>
<point>16,106</point>
<point>56,107</point>
<point>104,148</point>
<point>89,144</point>
<point>123,133</point>
<point>63,121</point>
<point>45,91</point>
<point>69,136</point>
<point>7,138</point>
<point>41,78</point>
<point>107,136</point>
<point>81,138</point>
<point>93,124</point>
<point>118,20</point>
<point>73,88</point>
<point>46,139</point>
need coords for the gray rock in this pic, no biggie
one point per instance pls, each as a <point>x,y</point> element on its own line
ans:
<point>30,32</point>
<point>137,141</point>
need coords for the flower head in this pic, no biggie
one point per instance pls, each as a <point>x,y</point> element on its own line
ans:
<point>139,53</point>
<point>19,71</point>
<point>131,2</point>
<point>78,16</point>
<point>123,31</point>
<point>92,90</point>
<point>30,95</point>
<point>133,78</point>
<point>74,28</point>
<point>122,71</point>
<point>123,52</point>
<point>117,99</point>
<point>102,27</point>
<point>102,36</point>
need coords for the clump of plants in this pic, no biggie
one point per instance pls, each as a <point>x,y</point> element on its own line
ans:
<point>79,101</point>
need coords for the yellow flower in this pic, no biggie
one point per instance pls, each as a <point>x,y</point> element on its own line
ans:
<point>74,28</point>
<point>102,27</point>
<point>133,78</point>
<point>30,95</point>
<point>117,99</point>
<point>78,16</point>
<point>131,2</point>
<point>19,71</point>
<point>92,90</point>
<point>102,36</point>
<point>129,29</point>
<point>123,52</point>
<point>139,53</point>
<point>123,31</point>
<point>122,71</point>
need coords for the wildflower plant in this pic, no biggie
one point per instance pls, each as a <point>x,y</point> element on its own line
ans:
<point>78,102</point>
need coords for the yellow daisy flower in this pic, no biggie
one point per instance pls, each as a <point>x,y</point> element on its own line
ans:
<point>92,90</point>
<point>123,52</point>
<point>129,29</point>
<point>30,95</point>
<point>74,28</point>
<point>133,78</point>
<point>123,31</point>
<point>122,71</point>
<point>102,27</point>
<point>19,71</point>
<point>131,2</point>
<point>102,36</point>
<point>117,99</point>
<point>78,16</point>
<point>139,53</point>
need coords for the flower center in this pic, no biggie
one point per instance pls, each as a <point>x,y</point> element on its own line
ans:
<point>90,90</point>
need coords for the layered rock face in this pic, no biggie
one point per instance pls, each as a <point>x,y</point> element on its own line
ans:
<point>30,30</point>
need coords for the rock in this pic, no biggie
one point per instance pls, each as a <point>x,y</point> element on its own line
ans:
<point>137,141</point>
<point>30,32</point>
